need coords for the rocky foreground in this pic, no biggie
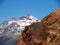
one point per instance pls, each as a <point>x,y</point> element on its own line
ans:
<point>46,32</point>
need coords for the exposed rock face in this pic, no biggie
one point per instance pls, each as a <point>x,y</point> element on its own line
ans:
<point>52,18</point>
<point>53,23</point>
<point>34,34</point>
<point>46,32</point>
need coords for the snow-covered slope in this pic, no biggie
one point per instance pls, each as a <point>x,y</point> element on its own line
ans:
<point>11,29</point>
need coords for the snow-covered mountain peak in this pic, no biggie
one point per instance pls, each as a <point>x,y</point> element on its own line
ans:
<point>25,19</point>
<point>11,29</point>
<point>17,25</point>
<point>31,17</point>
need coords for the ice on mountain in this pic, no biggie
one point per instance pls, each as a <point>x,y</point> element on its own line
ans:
<point>11,29</point>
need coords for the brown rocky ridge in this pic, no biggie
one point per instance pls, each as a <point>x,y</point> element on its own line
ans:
<point>46,32</point>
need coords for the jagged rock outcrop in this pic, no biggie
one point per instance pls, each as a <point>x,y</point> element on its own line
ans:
<point>52,18</point>
<point>35,34</point>
<point>53,23</point>
<point>46,32</point>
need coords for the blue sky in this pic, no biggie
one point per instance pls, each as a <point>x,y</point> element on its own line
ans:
<point>17,8</point>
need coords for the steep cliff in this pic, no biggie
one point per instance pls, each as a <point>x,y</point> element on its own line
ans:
<point>35,34</point>
<point>53,23</point>
<point>46,32</point>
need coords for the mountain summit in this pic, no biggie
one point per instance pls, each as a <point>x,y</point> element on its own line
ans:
<point>11,29</point>
<point>17,24</point>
